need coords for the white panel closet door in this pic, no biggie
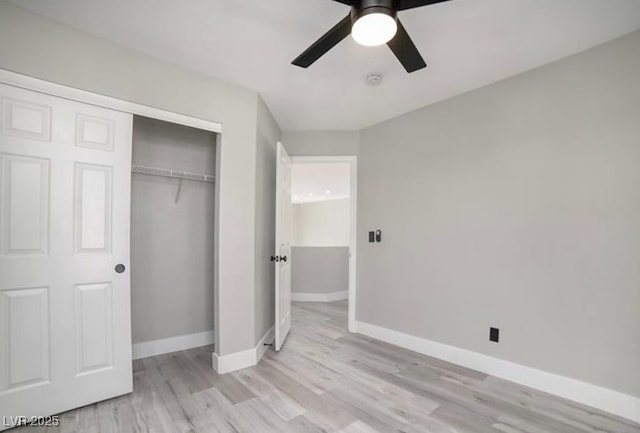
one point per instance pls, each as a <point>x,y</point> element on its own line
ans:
<point>284,210</point>
<point>65,327</point>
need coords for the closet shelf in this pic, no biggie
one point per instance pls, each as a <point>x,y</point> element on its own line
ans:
<point>165,172</point>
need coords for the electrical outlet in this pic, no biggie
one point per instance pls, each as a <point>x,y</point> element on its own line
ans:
<point>494,335</point>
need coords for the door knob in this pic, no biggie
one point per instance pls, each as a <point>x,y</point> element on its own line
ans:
<point>120,268</point>
<point>283,258</point>
<point>274,258</point>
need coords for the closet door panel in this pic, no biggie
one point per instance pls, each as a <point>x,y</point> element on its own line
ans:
<point>25,205</point>
<point>93,322</point>
<point>26,119</point>
<point>65,327</point>
<point>24,359</point>
<point>94,132</point>
<point>93,208</point>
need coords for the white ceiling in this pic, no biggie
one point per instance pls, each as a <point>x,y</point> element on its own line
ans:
<point>467,44</point>
<point>319,182</point>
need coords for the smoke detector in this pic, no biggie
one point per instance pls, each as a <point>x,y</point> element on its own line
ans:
<point>373,79</point>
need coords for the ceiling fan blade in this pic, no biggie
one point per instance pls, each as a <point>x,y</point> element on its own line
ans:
<point>401,5</point>
<point>345,2</point>
<point>325,43</point>
<point>405,50</point>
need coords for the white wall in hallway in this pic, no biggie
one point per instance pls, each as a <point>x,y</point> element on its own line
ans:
<point>322,224</point>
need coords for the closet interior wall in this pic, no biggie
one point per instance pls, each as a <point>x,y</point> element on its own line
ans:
<point>172,236</point>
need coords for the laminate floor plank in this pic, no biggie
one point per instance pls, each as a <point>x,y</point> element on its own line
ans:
<point>270,395</point>
<point>326,380</point>
<point>359,427</point>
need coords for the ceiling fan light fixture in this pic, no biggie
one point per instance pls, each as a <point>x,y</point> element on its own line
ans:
<point>371,23</point>
<point>374,28</point>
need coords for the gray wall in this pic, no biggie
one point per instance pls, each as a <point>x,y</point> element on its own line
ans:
<point>41,48</point>
<point>268,134</point>
<point>319,269</point>
<point>517,206</point>
<point>321,143</point>
<point>171,244</point>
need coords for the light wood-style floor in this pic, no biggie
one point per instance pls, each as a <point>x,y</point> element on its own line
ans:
<point>326,380</point>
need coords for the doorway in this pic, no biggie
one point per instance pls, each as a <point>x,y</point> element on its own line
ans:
<point>323,249</point>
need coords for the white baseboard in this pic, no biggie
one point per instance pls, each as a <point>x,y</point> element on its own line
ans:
<point>172,344</point>
<point>246,358</point>
<point>320,297</point>
<point>605,399</point>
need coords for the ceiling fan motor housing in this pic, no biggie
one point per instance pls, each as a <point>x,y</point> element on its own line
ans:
<point>366,7</point>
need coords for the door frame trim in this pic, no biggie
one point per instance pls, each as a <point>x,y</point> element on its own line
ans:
<point>54,89</point>
<point>352,160</point>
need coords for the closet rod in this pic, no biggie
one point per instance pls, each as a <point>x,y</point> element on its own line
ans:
<point>177,174</point>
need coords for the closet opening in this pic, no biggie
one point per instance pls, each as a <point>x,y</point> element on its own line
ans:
<point>173,210</point>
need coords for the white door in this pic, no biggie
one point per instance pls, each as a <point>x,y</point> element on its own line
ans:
<point>65,338</point>
<point>283,246</point>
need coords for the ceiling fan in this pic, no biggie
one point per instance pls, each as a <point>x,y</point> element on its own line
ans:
<point>371,23</point>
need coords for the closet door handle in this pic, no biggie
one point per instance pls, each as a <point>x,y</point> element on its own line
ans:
<point>283,258</point>
<point>274,258</point>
